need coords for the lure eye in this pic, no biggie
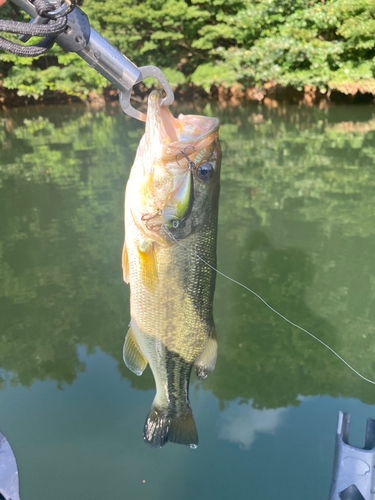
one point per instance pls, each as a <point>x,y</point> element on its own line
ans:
<point>175,224</point>
<point>205,172</point>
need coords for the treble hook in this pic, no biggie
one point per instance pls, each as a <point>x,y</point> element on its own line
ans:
<point>148,217</point>
<point>190,164</point>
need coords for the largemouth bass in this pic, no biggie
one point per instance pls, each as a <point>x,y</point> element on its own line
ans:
<point>172,200</point>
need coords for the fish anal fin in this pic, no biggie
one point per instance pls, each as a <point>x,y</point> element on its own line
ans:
<point>161,428</point>
<point>205,364</point>
<point>125,263</point>
<point>148,266</point>
<point>133,356</point>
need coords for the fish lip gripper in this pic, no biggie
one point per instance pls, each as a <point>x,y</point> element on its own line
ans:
<point>353,475</point>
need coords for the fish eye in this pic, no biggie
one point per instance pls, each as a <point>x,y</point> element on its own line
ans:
<point>175,224</point>
<point>205,172</point>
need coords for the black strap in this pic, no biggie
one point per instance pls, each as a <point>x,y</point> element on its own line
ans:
<point>26,50</point>
<point>49,30</point>
<point>53,28</point>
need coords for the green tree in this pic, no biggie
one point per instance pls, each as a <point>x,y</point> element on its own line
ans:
<point>325,44</point>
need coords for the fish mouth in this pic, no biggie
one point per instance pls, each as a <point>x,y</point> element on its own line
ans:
<point>167,188</point>
<point>173,135</point>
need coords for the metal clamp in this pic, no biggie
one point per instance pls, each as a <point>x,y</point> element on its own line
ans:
<point>119,70</point>
<point>146,72</point>
<point>100,55</point>
<point>353,468</point>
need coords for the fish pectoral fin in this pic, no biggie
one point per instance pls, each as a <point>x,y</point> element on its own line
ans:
<point>125,264</point>
<point>205,364</point>
<point>148,266</point>
<point>133,356</point>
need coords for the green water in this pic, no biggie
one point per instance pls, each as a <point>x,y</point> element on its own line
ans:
<point>296,224</point>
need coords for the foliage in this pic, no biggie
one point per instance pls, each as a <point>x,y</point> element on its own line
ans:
<point>327,44</point>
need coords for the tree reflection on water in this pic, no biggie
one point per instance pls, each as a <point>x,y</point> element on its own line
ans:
<point>296,225</point>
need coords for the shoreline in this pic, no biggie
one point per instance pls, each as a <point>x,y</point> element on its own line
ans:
<point>270,95</point>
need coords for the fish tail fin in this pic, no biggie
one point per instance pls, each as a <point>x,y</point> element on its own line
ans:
<point>161,428</point>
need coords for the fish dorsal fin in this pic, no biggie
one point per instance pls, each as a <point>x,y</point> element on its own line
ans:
<point>147,264</point>
<point>125,264</point>
<point>205,364</point>
<point>133,356</point>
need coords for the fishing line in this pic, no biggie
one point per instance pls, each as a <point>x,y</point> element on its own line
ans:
<point>270,307</point>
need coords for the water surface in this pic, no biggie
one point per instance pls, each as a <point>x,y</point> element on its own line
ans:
<point>296,224</point>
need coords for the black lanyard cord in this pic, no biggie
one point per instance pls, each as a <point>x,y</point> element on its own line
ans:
<point>42,26</point>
